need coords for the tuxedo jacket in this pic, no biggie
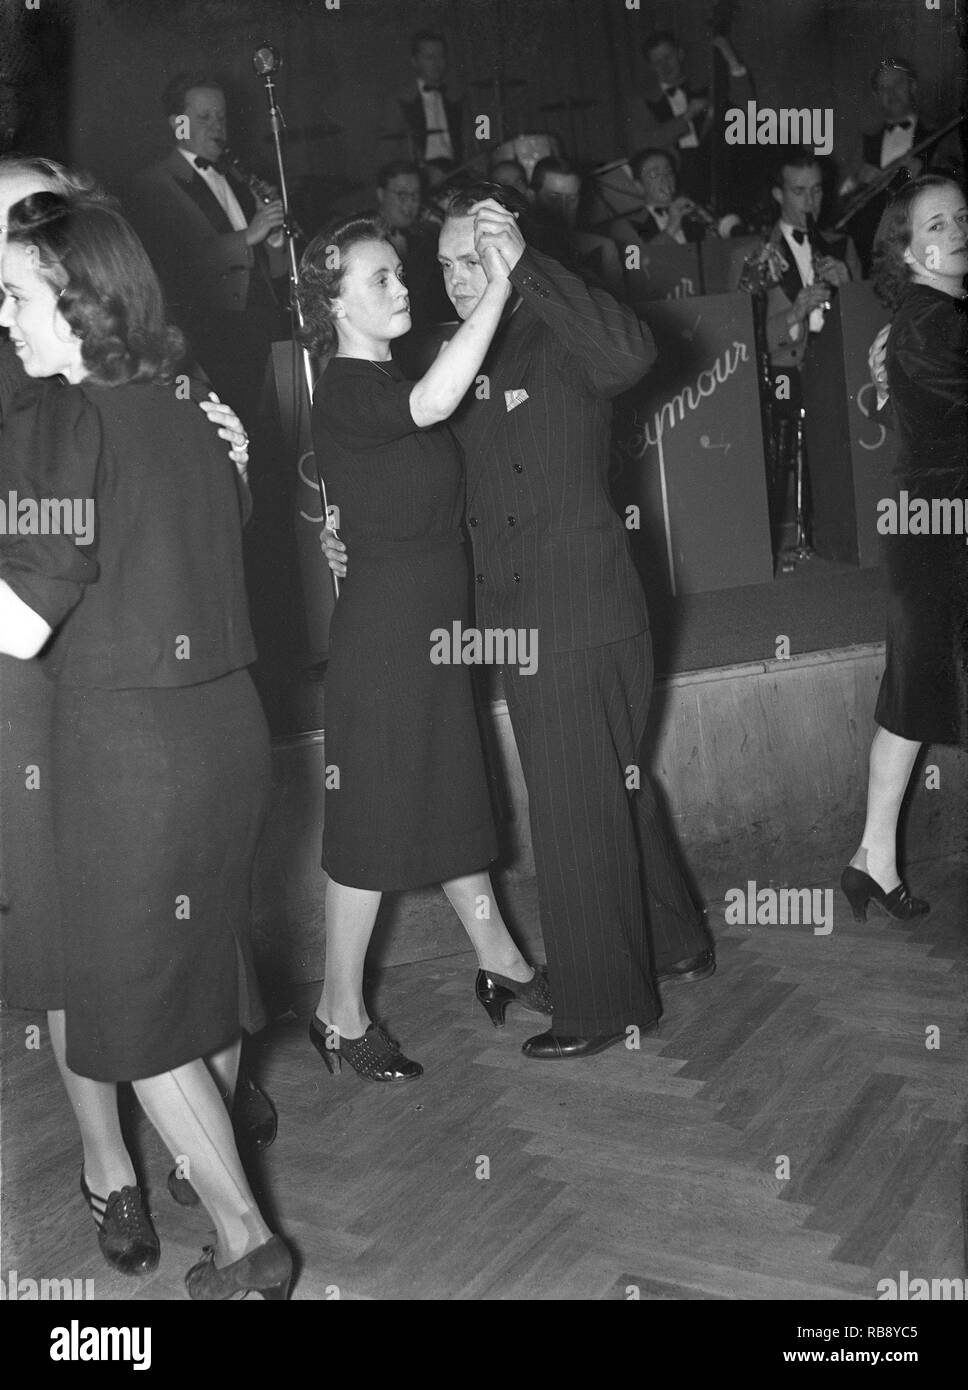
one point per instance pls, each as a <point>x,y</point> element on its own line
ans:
<point>407,110</point>
<point>202,263</point>
<point>784,351</point>
<point>871,144</point>
<point>550,551</point>
<point>652,122</point>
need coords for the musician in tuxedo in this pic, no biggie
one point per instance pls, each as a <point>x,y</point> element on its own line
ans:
<point>678,116</point>
<point>816,264</point>
<point>556,189</point>
<point>399,195</point>
<point>665,216</point>
<point>895,84</point>
<point>424,115</point>
<point>215,247</point>
<point>550,556</point>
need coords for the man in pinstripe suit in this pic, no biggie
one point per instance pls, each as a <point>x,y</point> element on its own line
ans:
<point>550,555</point>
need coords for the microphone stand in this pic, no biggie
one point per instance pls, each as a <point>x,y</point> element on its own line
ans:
<point>266,61</point>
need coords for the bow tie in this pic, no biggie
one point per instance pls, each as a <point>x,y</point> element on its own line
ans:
<point>899,125</point>
<point>798,236</point>
<point>671,91</point>
<point>201,163</point>
<point>661,207</point>
<point>428,87</point>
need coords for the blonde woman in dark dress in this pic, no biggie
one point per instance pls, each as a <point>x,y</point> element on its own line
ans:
<point>159,747</point>
<point>920,263</point>
<point>412,805</point>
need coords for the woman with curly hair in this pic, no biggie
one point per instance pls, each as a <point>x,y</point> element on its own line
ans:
<point>411,806</point>
<point>160,752</point>
<point>920,263</point>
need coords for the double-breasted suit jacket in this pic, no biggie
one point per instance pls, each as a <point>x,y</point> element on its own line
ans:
<point>550,554</point>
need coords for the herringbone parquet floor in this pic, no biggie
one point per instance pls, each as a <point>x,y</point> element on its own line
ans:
<point>791,1132</point>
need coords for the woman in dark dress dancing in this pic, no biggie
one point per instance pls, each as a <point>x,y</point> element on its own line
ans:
<point>409,804</point>
<point>159,753</point>
<point>920,262</point>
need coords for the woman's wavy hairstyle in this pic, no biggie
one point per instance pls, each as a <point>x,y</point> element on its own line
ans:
<point>321,274</point>
<point>890,273</point>
<point>71,183</point>
<point>107,289</point>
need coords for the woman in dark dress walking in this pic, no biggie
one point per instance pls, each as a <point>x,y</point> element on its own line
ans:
<point>409,802</point>
<point>920,262</point>
<point>159,747</point>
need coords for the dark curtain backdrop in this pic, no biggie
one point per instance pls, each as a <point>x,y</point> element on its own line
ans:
<point>93,69</point>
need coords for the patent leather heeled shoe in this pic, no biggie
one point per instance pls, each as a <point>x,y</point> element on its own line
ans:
<point>496,992</point>
<point>375,1056</point>
<point>254,1117</point>
<point>181,1190</point>
<point>125,1234</point>
<point>861,889</point>
<point>266,1270</point>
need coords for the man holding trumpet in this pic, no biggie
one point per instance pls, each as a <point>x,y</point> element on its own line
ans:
<point>664,215</point>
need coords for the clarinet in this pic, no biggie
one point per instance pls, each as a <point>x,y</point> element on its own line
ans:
<point>227,161</point>
<point>815,255</point>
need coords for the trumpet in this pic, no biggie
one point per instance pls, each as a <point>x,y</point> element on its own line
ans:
<point>697,213</point>
<point>265,192</point>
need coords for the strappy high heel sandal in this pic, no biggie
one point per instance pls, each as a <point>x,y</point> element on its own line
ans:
<point>861,889</point>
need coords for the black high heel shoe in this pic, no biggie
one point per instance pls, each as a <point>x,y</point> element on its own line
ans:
<point>861,889</point>
<point>266,1270</point>
<point>255,1123</point>
<point>374,1055</point>
<point>125,1234</point>
<point>496,992</point>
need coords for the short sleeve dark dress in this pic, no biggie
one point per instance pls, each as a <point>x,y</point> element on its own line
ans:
<point>924,693</point>
<point>411,805</point>
<point>159,753</point>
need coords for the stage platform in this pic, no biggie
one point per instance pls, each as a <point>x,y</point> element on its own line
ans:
<point>761,763</point>
<point>820,606</point>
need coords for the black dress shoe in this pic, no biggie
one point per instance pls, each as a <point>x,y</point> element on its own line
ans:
<point>560,1047</point>
<point>254,1116</point>
<point>693,968</point>
<point>125,1234</point>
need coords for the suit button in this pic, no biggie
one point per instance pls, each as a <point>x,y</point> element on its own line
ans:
<point>517,578</point>
<point>479,578</point>
<point>518,468</point>
<point>512,521</point>
<point>472,521</point>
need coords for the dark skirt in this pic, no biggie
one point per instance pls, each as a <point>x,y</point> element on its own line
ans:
<point>924,693</point>
<point>412,804</point>
<point>30,954</point>
<point>159,802</point>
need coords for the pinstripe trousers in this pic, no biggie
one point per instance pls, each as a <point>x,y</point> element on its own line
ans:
<point>612,897</point>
